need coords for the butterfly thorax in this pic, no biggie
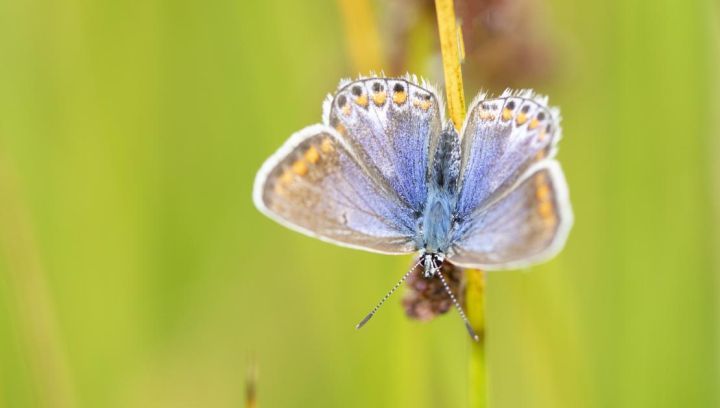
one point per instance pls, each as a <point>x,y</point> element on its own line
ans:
<point>434,232</point>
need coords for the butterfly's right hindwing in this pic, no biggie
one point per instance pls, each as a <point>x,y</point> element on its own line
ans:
<point>316,185</point>
<point>527,225</point>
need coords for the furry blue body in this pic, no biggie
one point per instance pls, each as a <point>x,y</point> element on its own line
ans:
<point>434,235</point>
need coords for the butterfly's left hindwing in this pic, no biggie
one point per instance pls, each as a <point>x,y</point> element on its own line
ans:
<point>316,185</point>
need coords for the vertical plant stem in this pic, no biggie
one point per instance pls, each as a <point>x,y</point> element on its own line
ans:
<point>452,49</point>
<point>251,385</point>
<point>475,305</point>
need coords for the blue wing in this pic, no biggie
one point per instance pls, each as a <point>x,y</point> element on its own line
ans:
<point>316,185</point>
<point>528,224</point>
<point>512,208</point>
<point>501,139</point>
<point>394,126</point>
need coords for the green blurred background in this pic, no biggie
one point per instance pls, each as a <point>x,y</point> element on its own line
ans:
<point>135,272</point>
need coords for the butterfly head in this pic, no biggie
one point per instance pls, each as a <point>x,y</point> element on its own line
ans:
<point>431,263</point>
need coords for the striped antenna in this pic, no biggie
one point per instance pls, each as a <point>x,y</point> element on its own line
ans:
<point>394,288</point>
<point>458,307</point>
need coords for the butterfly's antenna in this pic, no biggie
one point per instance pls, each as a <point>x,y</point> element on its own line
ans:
<point>394,288</point>
<point>458,307</point>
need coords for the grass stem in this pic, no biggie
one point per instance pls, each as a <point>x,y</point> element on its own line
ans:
<point>452,50</point>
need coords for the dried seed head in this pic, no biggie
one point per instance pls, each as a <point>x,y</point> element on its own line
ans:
<point>426,298</point>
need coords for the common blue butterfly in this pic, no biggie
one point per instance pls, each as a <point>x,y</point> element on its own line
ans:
<point>385,172</point>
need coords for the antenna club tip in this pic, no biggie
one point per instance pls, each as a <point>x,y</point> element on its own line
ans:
<point>363,321</point>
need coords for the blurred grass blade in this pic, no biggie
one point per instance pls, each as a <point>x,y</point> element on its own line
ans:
<point>475,305</point>
<point>362,36</point>
<point>31,297</point>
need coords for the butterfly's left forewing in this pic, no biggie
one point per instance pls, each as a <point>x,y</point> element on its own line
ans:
<point>316,185</point>
<point>501,139</point>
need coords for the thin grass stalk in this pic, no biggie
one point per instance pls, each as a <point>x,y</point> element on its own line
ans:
<point>477,368</point>
<point>452,50</point>
<point>251,385</point>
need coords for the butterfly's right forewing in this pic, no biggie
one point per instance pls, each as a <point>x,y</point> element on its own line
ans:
<point>316,185</point>
<point>527,225</point>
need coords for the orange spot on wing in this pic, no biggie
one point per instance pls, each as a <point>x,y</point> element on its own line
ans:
<point>533,124</point>
<point>546,211</point>
<point>486,115</point>
<point>286,178</point>
<point>362,100</point>
<point>379,98</point>
<point>544,196</point>
<point>312,155</point>
<point>327,145</point>
<point>341,128</point>
<point>299,167</point>
<point>424,105</point>
<point>521,119</point>
<point>399,97</point>
<point>506,114</point>
<point>543,192</point>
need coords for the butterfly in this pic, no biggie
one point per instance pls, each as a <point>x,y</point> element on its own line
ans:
<point>386,172</point>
